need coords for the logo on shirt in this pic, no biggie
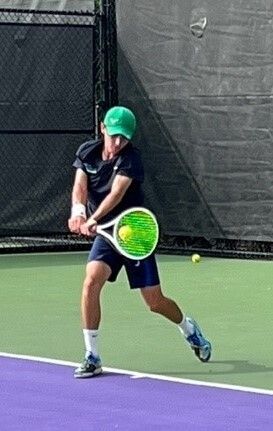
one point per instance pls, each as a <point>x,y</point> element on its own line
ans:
<point>90,169</point>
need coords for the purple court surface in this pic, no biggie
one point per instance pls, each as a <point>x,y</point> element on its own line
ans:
<point>39,396</point>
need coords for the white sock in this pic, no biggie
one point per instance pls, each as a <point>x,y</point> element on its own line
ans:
<point>91,339</point>
<point>186,327</point>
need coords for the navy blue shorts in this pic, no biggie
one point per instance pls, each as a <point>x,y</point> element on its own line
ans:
<point>140,273</point>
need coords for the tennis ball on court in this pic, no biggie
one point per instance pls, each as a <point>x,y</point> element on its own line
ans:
<point>196,258</point>
<point>125,233</point>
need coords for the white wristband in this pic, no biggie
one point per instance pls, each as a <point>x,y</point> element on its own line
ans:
<point>78,210</point>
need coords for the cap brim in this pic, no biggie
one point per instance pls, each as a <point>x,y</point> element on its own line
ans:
<point>112,130</point>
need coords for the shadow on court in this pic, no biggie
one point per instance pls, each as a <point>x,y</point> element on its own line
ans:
<point>235,367</point>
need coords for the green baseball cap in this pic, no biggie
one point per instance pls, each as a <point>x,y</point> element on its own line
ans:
<point>120,121</point>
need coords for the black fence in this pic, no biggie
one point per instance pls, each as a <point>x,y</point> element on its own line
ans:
<point>58,76</point>
<point>204,107</point>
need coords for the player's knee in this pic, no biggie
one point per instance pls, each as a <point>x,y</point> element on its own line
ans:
<point>90,286</point>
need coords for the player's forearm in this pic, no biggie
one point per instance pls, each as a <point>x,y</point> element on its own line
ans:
<point>79,199</point>
<point>79,195</point>
<point>110,202</point>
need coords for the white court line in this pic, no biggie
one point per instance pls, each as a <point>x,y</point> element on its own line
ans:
<point>140,375</point>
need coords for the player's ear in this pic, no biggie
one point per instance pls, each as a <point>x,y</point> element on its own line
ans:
<point>102,128</point>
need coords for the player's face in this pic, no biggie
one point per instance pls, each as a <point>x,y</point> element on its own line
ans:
<point>113,144</point>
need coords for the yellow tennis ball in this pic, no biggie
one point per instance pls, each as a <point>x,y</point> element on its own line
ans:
<point>196,258</point>
<point>125,233</point>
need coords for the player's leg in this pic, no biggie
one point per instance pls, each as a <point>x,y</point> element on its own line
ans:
<point>144,275</point>
<point>103,265</point>
<point>97,273</point>
<point>160,304</point>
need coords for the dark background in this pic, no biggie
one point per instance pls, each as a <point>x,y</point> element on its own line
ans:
<point>205,112</point>
<point>46,112</point>
<point>204,109</point>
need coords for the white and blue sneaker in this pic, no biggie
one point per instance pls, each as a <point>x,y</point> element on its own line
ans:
<point>199,344</point>
<point>90,367</point>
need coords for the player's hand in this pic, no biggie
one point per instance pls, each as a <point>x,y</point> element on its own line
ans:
<point>75,223</point>
<point>89,228</point>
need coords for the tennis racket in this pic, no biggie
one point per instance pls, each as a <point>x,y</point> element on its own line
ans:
<point>134,233</point>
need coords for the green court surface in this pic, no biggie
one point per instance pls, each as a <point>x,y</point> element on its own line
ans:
<point>231,299</point>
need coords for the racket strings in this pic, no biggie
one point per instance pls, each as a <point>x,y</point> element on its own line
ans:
<point>143,234</point>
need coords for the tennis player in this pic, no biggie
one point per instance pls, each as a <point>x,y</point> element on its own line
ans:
<point>108,180</point>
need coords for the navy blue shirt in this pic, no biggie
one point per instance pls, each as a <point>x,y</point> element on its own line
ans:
<point>101,174</point>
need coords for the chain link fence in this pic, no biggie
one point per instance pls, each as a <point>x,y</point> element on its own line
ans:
<point>52,85</point>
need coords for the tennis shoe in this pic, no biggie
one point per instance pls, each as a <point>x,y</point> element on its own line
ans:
<point>90,367</point>
<point>199,344</point>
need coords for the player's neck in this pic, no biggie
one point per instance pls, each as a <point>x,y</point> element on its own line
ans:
<point>106,155</point>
